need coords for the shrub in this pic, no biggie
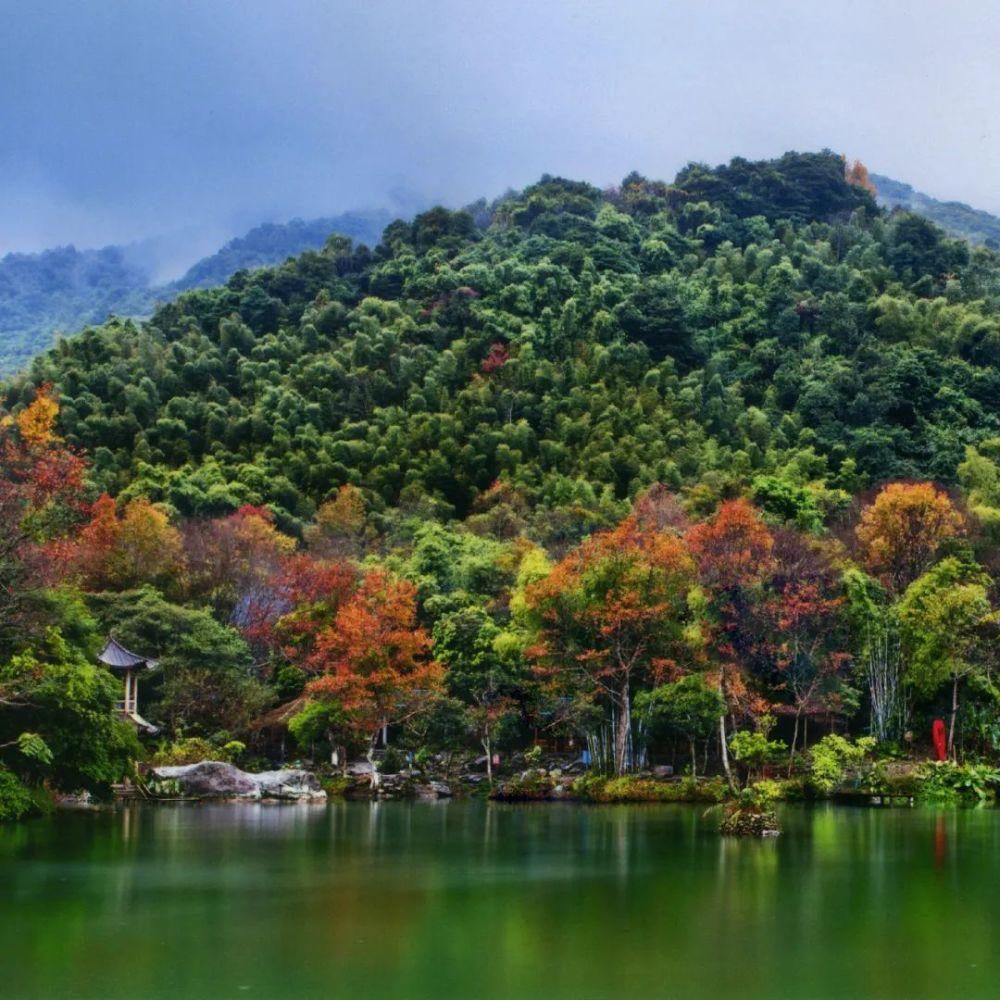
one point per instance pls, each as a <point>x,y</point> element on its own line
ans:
<point>336,785</point>
<point>632,788</point>
<point>753,750</point>
<point>833,756</point>
<point>392,761</point>
<point>750,812</point>
<point>193,749</point>
<point>16,800</point>
<point>532,786</point>
<point>945,781</point>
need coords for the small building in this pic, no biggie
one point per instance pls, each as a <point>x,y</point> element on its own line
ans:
<point>128,666</point>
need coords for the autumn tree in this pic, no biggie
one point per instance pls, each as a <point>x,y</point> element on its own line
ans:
<point>734,550</point>
<point>610,617</point>
<point>42,495</point>
<point>374,660</point>
<point>856,174</point>
<point>297,605</point>
<point>231,560</point>
<point>901,530</point>
<point>804,640</point>
<point>116,553</point>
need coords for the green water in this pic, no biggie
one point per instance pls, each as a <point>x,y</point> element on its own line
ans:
<point>477,901</point>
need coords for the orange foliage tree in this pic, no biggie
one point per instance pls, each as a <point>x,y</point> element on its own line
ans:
<point>856,173</point>
<point>42,495</point>
<point>610,617</point>
<point>374,660</point>
<point>115,553</point>
<point>734,550</point>
<point>901,530</point>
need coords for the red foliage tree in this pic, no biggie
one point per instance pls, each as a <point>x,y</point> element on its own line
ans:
<point>734,551</point>
<point>42,495</point>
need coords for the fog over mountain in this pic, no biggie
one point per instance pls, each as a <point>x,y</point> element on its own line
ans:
<point>196,121</point>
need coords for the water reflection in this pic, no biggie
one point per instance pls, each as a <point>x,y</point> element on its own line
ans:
<point>468,899</point>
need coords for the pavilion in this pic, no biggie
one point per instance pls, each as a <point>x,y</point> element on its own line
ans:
<point>128,665</point>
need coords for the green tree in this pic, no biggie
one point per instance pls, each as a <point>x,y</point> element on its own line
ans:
<point>688,707</point>
<point>948,625</point>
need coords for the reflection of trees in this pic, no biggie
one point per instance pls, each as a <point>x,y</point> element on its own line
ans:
<point>468,899</point>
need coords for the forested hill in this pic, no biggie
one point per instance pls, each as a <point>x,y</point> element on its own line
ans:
<point>757,322</point>
<point>65,289</point>
<point>272,243</point>
<point>955,217</point>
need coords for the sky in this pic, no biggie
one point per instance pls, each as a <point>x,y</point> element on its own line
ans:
<point>196,119</point>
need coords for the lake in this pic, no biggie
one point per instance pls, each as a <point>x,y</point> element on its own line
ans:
<point>471,900</point>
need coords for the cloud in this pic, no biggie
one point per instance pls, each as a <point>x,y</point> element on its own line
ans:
<point>118,121</point>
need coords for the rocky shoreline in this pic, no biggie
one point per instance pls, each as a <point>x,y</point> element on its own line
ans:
<point>212,779</point>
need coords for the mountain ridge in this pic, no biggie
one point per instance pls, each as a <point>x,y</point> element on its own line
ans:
<point>566,352</point>
<point>64,289</point>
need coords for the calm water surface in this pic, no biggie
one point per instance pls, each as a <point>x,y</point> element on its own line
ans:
<point>477,901</point>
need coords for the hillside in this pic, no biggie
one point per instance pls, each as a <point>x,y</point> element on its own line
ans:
<point>512,473</point>
<point>65,289</point>
<point>272,243</point>
<point>955,217</point>
<point>758,318</point>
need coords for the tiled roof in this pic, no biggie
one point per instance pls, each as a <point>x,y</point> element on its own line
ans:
<point>116,656</point>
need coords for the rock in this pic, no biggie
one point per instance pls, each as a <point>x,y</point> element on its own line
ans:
<point>74,800</point>
<point>209,779</point>
<point>663,771</point>
<point>289,785</point>
<point>212,779</point>
<point>440,789</point>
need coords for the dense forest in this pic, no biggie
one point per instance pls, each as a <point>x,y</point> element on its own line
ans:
<point>710,465</point>
<point>65,289</point>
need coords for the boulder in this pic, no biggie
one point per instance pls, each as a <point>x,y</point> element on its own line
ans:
<point>433,790</point>
<point>212,779</point>
<point>289,785</point>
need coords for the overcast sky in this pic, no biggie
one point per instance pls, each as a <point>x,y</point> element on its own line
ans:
<point>126,118</point>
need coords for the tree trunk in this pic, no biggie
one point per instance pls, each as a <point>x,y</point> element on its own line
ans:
<point>795,739</point>
<point>375,776</point>
<point>624,724</point>
<point>954,712</point>
<point>724,748</point>
<point>489,759</point>
<point>694,760</point>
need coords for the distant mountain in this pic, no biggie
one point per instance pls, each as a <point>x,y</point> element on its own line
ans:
<point>955,217</point>
<point>65,289</point>
<point>272,243</point>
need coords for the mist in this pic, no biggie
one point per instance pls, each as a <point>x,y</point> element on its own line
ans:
<point>191,121</point>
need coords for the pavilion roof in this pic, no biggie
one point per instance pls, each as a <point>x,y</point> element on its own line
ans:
<point>116,656</point>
